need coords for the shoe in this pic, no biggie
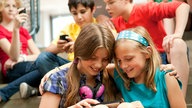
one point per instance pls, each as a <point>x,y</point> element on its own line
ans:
<point>27,91</point>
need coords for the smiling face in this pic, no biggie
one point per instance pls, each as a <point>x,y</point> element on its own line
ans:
<point>82,15</point>
<point>9,10</point>
<point>130,59</point>
<point>98,61</point>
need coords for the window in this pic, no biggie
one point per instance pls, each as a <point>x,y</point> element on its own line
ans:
<point>59,22</point>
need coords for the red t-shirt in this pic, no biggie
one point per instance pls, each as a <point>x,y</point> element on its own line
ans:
<point>24,37</point>
<point>150,16</point>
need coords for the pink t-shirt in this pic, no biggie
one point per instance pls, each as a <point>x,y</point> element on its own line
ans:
<point>150,16</point>
<point>24,37</point>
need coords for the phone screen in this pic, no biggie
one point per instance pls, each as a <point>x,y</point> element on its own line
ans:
<point>112,104</point>
<point>22,11</point>
<point>63,37</point>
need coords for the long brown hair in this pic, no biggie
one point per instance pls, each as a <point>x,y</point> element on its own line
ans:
<point>91,37</point>
<point>151,64</point>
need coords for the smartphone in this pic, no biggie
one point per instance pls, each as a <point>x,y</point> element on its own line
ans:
<point>22,11</point>
<point>63,37</point>
<point>112,104</point>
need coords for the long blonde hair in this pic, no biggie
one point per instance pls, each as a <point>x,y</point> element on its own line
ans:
<point>91,37</point>
<point>151,64</point>
<point>2,5</point>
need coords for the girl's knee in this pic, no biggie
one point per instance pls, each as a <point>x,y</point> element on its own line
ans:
<point>179,46</point>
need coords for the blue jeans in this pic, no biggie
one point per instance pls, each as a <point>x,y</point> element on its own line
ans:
<point>30,72</point>
<point>164,58</point>
<point>48,61</point>
<point>21,72</point>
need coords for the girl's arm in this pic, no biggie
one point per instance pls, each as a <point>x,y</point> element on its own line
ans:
<point>174,93</point>
<point>34,51</point>
<point>87,103</point>
<point>50,100</point>
<point>13,49</point>
<point>46,76</point>
<point>6,47</point>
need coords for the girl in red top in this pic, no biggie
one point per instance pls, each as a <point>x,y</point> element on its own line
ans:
<point>15,43</point>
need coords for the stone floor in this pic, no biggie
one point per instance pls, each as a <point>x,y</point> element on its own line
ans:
<point>189,91</point>
<point>16,102</point>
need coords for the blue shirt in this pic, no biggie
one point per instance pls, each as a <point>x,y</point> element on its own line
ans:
<point>139,92</point>
<point>57,82</point>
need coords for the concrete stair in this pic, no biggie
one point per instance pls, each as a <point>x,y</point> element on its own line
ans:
<point>16,102</point>
<point>188,40</point>
<point>189,91</point>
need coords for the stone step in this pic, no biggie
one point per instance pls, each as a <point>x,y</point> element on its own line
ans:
<point>189,105</point>
<point>190,76</point>
<point>189,90</point>
<point>189,94</point>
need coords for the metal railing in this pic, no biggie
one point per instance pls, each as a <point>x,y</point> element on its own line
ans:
<point>33,10</point>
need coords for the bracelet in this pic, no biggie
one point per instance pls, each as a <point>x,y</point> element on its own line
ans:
<point>24,57</point>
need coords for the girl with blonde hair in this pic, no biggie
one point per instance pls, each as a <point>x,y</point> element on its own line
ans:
<point>138,74</point>
<point>17,49</point>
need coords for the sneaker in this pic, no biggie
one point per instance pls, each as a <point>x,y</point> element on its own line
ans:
<point>27,91</point>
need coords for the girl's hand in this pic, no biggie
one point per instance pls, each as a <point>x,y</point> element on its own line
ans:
<point>20,18</point>
<point>43,80</point>
<point>135,104</point>
<point>169,68</point>
<point>9,64</point>
<point>86,103</point>
<point>126,105</point>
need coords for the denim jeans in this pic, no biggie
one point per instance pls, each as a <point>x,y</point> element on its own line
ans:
<point>30,72</point>
<point>21,72</point>
<point>48,61</point>
<point>164,58</point>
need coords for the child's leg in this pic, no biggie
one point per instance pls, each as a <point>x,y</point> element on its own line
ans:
<point>178,57</point>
